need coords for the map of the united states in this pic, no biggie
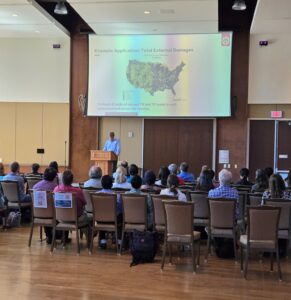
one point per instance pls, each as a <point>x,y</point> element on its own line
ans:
<point>153,77</point>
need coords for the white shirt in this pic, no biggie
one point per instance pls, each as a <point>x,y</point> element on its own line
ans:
<point>93,182</point>
<point>124,185</point>
<point>181,196</point>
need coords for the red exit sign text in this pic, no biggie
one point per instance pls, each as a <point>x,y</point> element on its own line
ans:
<point>276,114</point>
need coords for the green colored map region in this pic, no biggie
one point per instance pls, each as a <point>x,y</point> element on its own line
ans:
<point>153,77</point>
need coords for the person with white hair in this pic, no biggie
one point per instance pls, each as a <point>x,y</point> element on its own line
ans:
<point>120,179</point>
<point>225,190</point>
<point>95,174</point>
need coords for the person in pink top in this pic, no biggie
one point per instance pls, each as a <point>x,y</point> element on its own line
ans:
<point>66,187</point>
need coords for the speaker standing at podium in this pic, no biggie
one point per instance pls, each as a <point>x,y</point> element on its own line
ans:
<point>112,144</point>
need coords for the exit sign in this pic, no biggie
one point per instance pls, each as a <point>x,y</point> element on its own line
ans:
<point>276,114</point>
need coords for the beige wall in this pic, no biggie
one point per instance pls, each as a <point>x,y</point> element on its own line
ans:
<point>32,71</point>
<point>270,70</point>
<point>264,110</point>
<point>131,148</point>
<point>24,127</point>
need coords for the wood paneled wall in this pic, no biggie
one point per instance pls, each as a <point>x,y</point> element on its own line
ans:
<point>176,140</point>
<point>261,145</point>
<point>83,130</point>
<point>232,132</point>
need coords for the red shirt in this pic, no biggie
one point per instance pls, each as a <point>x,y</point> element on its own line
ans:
<point>81,202</point>
<point>181,180</point>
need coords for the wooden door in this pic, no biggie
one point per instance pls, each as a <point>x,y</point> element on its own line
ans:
<point>176,140</point>
<point>284,145</point>
<point>261,145</point>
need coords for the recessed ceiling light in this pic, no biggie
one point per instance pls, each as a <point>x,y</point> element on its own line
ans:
<point>14,15</point>
<point>146,12</point>
<point>37,31</point>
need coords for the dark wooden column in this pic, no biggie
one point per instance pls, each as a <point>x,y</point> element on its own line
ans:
<point>232,132</point>
<point>83,130</point>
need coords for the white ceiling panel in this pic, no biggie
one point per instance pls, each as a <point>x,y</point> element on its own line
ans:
<point>128,17</point>
<point>12,2</point>
<point>272,16</point>
<point>30,31</point>
<point>26,14</point>
<point>21,19</point>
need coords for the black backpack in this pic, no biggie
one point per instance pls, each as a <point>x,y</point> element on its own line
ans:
<point>143,246</point>
<point>224,247</point>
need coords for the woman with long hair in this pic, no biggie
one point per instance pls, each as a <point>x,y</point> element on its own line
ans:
<point>172,188</point>
<point>276,189</point>
<point>261,182</point>
<point>205,182</point>
<point>163,176</point>
<point>120,179</point>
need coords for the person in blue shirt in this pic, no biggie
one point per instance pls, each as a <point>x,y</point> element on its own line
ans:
<point>133,171</point>
<point>112,144</point>
<point>107,182</point>
<point>15,176</point>
<point>184,174</point>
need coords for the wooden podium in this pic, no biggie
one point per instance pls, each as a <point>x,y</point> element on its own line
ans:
<point>104,160</point>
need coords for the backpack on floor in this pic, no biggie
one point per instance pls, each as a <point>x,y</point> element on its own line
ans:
<point>224,247</point>
<point>143,247</point>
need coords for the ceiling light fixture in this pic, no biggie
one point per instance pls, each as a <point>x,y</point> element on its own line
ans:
<point>14,15</point>
<point>146,12</point>
<point>61,8</point>
<point>239,5</point>
<point>37,31</point>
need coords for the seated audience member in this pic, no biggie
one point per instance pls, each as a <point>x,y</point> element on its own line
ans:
<point>205,182</point>
<point>34,171</point>
<point>67,187</point>
<point>173,168</point>
<point>269,171</point>
<point>224,190</point>
<point>95,174</point>
<point>163,176</point>
<point>133,170</point>
<point>184,174</point>
<point>106,183</point>
<point>261,182</point>
<point>47,183</point>
<point>120,179</point>
<point>212,175</point>
<point>244,177</point>
<point>15,176</point>
<point>172,188</point>
<point>55,165</point>
<point>136,183</point>
<point>276,189</point>
<point>203,168</point>
<point>149,182</point>
<point>123,164</point>
<point>2,173</point>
